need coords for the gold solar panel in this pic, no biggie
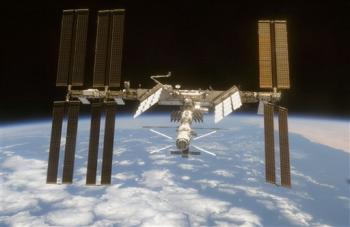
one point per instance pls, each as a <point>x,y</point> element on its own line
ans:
<point>265,58</point>
<point>281,47</point>
<point>284,147</point>
<point>269,144</point>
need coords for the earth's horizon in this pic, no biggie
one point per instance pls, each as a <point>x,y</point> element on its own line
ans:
<point>166,190</point>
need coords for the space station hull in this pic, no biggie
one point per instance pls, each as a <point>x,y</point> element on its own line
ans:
<point>184,131</point>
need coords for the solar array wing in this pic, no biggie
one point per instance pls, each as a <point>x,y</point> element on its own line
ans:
<point>261,108</point>
<point>69,155</point>
<point>71,59</point>
<point>65,49</point>
<point>218,113</point>
<point>109,48</point>
<point>55,143</point>
<point>94,142</point>
<point>265,54</point>
<point>116,47</point>
<point>108,143</point>
<point>282,63</point>
<point>84,100</point>
<point>227,106</point>
<point>119,101</point>
<point>236,100</point>
<point>284,147</point>
<point>79,51</point>
<point>269,144</point>
<point>101,48</point>
<point>148,102</point>
<point>230,103</point>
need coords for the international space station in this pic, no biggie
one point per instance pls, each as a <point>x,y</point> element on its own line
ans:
<point>106,94</point>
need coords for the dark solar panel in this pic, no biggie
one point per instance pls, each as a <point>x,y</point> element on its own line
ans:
<point>101,49</point>
<point>69,155</point>
<point>108,143</point>
<point>55,143</point>
<point>79,50</point>
<point>116,47</point>
<point>94,142</point>
<point>65,50</point>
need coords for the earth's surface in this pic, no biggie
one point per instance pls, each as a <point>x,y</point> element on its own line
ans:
<point>166,190</point>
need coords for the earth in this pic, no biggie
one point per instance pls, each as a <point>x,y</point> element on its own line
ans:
<point>161,189</point>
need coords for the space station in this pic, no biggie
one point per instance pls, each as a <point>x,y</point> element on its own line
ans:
<point>108,91</point>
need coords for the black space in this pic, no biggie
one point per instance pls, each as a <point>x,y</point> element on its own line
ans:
<point>203,43</point>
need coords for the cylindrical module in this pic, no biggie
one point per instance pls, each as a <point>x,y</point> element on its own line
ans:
<point>184,132</point>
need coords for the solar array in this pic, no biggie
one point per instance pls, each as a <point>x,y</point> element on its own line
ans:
<point>70,72</point>
<point>229,104</point>
<point>270,168</point>
<point>152,99</point>
<point>273,54</point>
<point>273,74</point>
<point>71,60</point>
<point>109,47</point>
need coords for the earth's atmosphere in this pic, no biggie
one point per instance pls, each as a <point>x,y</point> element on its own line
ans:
<point>166,190</point>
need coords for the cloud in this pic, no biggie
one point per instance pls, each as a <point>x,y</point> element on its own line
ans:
<point>332,133</point>
<point>125,163</point>
<point>186,166</point>
<point>208,183</point>
<point>238,217</point>
<point>24,218</point>
<point>125,176</point>
<point>185,177</point>
<point>70,217</point>
<point>335,134</point>
<point>13,201</point>
<point>222,172</point>
<point>310,179</point>
<point>287,207</point>
<point>157,178</point>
